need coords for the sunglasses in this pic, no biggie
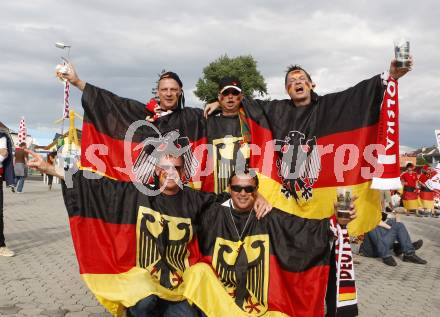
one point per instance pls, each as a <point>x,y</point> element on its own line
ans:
<point>234,92</point>
<point>247,189</point>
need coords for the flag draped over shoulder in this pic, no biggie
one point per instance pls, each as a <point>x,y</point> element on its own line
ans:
<point>102,216</point>
<point>319,147</point>
<point>279,267</point>
<point>426,193</point>
<point>103,212</point>
<point>115,132</point>
<point>130,245</point>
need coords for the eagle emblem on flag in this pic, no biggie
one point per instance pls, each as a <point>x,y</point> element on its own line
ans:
<point>153,148</point>
<point>229,153</point>
<point>243,267</point>
<point>162,245</point>
<point>299,164</point>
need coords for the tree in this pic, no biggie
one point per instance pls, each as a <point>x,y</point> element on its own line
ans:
<point>420,160</point>
<point>242,67</point>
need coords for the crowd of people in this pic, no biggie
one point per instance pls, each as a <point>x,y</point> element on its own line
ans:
<point>417,197</point>
<point>257,252</point>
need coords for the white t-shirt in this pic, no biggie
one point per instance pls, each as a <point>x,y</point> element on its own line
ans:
<point>395,200</point>
<point>3,145</point>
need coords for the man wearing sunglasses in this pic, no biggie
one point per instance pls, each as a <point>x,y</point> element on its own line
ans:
<point>259,262</point>
<point>228,135</point>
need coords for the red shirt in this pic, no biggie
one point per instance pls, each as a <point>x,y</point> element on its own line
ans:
<point>410,179</point>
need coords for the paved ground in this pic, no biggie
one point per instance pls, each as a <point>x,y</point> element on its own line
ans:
<point>43,280</point>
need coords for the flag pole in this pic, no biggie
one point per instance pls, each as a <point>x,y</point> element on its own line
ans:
<point>63,46</point>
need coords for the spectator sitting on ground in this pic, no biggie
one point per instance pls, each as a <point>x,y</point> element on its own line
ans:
<point>379,241</point>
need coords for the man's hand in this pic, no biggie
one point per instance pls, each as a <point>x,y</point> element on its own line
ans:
<point>4,153</point>
<point>384,225</point>
<point>38,163</point>
<point>352,212</point>
<point>261,206</point>
<point>397,72</point>
<point>210,108</point>
<point>71,76</point>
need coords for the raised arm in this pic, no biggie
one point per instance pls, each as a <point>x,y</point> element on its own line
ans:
<point>69,73</point>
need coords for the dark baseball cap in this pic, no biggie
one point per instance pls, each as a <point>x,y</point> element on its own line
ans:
<point>229,82</point>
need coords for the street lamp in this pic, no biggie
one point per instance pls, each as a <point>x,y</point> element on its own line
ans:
<point>63,46</point>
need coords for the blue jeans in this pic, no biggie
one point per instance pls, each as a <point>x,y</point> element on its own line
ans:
<point>153,306</point>
<point>19,180</point>
<point>379,241</point>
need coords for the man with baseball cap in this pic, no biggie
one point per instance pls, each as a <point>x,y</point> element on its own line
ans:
<point>230,95</point>
<point>229,135</point>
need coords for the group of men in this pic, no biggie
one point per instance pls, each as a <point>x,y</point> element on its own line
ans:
<point>265,263</point>
<point>417,196</point>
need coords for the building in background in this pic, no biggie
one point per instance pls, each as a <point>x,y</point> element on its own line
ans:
<point>59,140</point>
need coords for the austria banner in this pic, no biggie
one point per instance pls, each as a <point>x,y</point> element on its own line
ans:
<point>388,137</point>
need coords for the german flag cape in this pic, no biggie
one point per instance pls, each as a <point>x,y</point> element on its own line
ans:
<point>426,194</point>
<point>410,195</point>
<point>278,267</point>
<point>328,144</point>
<point>117,139</point>
<point>130,245</point>
<point>117,142</point>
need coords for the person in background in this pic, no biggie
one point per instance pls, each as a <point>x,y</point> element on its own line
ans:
<point>381,240</point>
<point>396,202</point>
<point>7,175</point>
<point>20,168</point>
<point>410,197</point>
<point>426,194</point>
<point>51,160</point>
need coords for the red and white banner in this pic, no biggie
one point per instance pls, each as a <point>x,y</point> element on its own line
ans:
<point>22,132</point>
<point>433,183</point>
<point>388,137</point>
<point>66,99</point>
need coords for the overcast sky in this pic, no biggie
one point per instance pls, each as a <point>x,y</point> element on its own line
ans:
<point>122,45</point>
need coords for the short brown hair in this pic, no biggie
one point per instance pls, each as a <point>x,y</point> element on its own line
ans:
<point>251,174</point>
<point>292,68</point>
